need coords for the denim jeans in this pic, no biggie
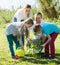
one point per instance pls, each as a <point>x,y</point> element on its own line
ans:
<point>15,19</point>
<point>23,38</point>
<point>12,39</point>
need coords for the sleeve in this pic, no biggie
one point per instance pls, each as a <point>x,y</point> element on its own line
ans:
<point>31,14</point>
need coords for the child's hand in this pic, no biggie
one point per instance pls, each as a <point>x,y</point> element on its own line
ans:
<point>43,45</point>
<point>28,39</point>
<point>14,35</point>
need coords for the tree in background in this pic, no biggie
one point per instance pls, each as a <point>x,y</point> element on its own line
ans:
<point>48,8</point>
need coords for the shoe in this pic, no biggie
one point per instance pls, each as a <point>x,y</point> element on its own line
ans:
<point>45,56</point>
<point>51,57</point>
<point>15,57</point>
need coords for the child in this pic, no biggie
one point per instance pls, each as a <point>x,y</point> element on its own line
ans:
<point>17,29</point>
<point>51,31</point>
<point>36,42</point>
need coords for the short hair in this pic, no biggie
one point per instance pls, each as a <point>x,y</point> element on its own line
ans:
<point>29,21</point>
<point>37,27</point>
<point>38,13</point>
<point>28,6</point>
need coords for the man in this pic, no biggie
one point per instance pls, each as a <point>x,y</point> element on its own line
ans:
<point>23,14</point>
<point>38,19</point>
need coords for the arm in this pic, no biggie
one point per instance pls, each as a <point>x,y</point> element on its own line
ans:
<point>49,38</point>
<point>19,33</point>
<point>20,38</point>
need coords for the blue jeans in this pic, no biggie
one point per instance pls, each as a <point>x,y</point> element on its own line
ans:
<point>23,38</point>
<point>10,39</point>
<point>15,19</point>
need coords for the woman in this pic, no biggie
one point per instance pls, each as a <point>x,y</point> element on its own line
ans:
<point>15,30</point>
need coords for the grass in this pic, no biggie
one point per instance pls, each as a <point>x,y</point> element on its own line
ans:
<point>5,58</point>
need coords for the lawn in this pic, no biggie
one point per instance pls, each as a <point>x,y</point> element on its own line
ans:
<point>5,58</point>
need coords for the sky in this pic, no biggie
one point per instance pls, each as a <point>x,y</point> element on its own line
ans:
<point>7,4</point>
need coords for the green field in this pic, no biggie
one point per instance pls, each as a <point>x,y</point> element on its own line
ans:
<point>5,58</point>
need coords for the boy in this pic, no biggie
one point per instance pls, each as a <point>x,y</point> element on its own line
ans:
<point>23,14</point>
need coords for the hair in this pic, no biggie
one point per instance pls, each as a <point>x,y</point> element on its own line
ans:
<point>28,6</point>
<point>37,27</point>
<point>38,13</point>
<point>29,21</point>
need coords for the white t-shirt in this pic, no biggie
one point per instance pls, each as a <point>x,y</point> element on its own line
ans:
<point>20,15</point>
<point>42,22</point>
<point>38,36</point>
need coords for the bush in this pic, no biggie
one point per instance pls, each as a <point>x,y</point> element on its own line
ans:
<point>6,16</point>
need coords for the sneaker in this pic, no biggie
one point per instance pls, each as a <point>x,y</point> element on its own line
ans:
<point>45,56</point>
<point>51,57</point>
<point>15,57</point>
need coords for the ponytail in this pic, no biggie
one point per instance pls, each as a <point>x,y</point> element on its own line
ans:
<point>27,33</point>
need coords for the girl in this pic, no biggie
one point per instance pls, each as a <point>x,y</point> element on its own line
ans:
<point>51,31</point>
<point>14,30</point>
